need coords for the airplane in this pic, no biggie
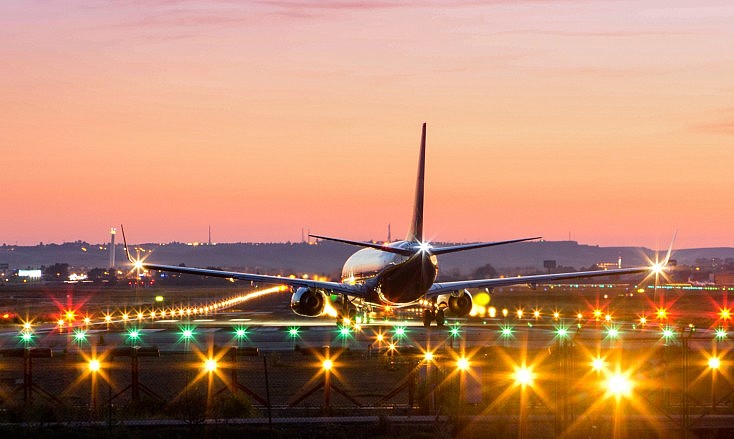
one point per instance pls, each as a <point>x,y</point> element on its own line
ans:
<point>394,274</point>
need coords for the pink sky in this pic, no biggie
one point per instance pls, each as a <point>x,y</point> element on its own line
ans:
<point>610,121</point>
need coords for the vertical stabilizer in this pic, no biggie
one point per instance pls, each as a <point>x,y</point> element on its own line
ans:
<point>415,233</point>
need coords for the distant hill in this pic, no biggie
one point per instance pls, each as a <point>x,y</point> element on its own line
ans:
<point>328,257</point>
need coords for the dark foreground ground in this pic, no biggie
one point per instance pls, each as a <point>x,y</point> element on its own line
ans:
<point>674,393</point>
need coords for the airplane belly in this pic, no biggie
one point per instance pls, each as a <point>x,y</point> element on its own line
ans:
<point>407,282</point>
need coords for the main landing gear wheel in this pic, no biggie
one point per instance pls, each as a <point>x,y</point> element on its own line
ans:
<point>351,316</point>
<point>428,317</point>
<point>440,318</point>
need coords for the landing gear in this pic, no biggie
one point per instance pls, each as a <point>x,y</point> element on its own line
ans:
<point>428,317</point>
<point>440,318</point>
<point>352,317</point>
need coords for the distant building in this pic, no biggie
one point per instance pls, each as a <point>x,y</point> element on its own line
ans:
<point>549,265</point>
<point>724,278</point>
<point>30,274</point>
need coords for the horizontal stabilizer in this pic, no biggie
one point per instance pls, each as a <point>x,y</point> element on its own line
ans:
<point>462,247</point>
<point>375,245</point>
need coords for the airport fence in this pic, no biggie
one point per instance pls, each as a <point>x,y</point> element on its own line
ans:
<point>572,385</point>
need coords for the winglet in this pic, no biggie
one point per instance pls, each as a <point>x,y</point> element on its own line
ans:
<point>670,249</point>
<point>416,226</point>
<point>124,241</point>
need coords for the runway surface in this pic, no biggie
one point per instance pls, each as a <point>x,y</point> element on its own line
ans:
<point>271,334</point>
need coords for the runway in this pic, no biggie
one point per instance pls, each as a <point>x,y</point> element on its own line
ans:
<point>472,367</point>
<point>267,333</point>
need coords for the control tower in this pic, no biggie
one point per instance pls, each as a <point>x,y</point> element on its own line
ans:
<point>113,232</point>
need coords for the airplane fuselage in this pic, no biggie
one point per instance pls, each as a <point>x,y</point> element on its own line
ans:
<point>392,279</point>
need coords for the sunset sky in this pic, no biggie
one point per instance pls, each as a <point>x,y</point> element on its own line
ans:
<point>611,122</point>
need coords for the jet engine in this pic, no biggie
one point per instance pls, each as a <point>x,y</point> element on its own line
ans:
<point>460,305</point>
<point>308,302</point>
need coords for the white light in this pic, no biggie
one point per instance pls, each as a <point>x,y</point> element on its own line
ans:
<point>657,267</point>
<point>597,364</point>
<point>424,246</point>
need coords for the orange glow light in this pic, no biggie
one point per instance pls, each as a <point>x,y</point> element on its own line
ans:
<point>523,376</point>
<point>462,364</point>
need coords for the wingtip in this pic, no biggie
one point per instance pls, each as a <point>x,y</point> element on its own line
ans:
<point>124,242</point>
<point>670,248</point>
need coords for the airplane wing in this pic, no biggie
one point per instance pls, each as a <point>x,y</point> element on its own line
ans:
<point>444,287</point>
<point>335,287</point>
<point>332,287</point>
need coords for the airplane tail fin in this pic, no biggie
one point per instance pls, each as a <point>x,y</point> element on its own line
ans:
<point>415,233</point>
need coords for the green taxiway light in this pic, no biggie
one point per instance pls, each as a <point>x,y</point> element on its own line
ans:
<point>720,334</point>
<point>668,333</point>
<point>240,333</point>
<point>506,331</point>
<point>293,331</point>
<point>80,336</point>
<point>187,334</point>
<point>400,331</point>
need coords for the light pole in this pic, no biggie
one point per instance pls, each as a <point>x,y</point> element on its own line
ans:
<point>524,377</point>
<point>94,366</point>
<point>714,363</point>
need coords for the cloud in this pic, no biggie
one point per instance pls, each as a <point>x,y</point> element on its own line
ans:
<point>724,124</point>
<point>337,5</point>
<point>390,4</point>
<point>600,33</point>
<point>170,19</point>
<point>717,128</point>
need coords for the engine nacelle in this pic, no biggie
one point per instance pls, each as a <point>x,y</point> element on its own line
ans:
<point>308,302</point>
<point>460,305</point>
